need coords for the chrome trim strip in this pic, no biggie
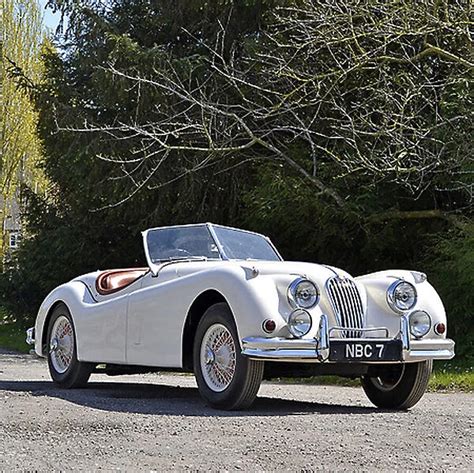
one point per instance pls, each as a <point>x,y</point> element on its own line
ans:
<point>330,269</point>
<point>353,315</point>
<point>211,230</point>
<point>274,247</point>
<point>372,329</point>
<point>307,356</point>
<point>331,300</point>
<point>277,343</point>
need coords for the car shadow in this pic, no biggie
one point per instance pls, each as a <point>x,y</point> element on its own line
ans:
<point>159,399</point>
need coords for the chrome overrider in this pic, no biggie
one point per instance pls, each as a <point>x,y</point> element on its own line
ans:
<point>317,349</point>
<point>30,336</point>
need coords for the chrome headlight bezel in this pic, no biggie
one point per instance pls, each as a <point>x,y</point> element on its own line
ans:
<point>392,299</point>
<point>413,328</point>
<point>296,327</point>
<point>293,298</point>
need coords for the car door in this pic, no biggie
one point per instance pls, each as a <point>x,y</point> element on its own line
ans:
<point>154,321</point>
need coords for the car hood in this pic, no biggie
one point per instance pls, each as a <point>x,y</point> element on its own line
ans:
<point>279,270</point>
<point>298,268</point>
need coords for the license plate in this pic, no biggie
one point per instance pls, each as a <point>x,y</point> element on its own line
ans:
<point>342,350</point>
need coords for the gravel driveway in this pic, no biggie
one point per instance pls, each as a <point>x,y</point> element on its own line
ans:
<point>158,422</point>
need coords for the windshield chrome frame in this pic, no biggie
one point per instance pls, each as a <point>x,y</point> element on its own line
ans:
<point>210,226</point>
<point>221,249</point>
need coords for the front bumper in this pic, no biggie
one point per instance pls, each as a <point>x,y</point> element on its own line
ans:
<point>317,349</point>
<point>30,336</point>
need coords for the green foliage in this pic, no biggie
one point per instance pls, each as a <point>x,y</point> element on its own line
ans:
<point>305,226</point>
<point>301,224</point>
<point>77,228</point>
<point>12,332</point>
<point>369,102</point>
<point>20,66</point>
<point>450,262</point>
<point>446,377</point>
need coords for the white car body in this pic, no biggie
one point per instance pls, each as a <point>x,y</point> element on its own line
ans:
<point>151,321</point>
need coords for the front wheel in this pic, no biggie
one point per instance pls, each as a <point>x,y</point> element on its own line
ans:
<point>226,379</point>
<point>400,386</point>
<point>65,369</point>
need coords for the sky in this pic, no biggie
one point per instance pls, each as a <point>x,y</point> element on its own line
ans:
<point>50,21</point>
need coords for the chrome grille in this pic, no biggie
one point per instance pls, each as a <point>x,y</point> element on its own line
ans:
<point>347,304</point>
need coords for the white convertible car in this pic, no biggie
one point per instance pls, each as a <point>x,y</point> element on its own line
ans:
<point>222,302</point>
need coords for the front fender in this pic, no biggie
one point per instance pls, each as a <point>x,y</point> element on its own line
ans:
<point>253,297</point>
<point>74,295</point>
<point>380,313</point>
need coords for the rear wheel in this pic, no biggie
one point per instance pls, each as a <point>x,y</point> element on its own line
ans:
<point>400,386</point>
<point>226,379</point>
<point>64,367</point>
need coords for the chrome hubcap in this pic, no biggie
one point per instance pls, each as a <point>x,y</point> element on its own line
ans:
<point>61,345</point>
<point>218,357</point>
<point>210,357</point>
<point>53,345</point>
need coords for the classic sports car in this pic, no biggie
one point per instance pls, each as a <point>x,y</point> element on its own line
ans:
<point>222,302</point>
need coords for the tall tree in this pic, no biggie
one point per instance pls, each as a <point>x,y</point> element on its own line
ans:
<point>342,129</point>
<point>373,92</point>
<point>79,227</point>
<point>21,36</point>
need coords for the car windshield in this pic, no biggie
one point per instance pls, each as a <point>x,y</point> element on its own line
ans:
<point>238,244</point>
<point>204,241</point>
<point>167,244</point>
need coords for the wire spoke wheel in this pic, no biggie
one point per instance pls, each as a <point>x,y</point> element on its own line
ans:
<point>61,344</point>
<point>226,379</point>
<point>65,369</point>
<point>218,357</point>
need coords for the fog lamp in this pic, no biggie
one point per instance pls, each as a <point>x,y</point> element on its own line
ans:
<point>299,323</point>
<point>420,323</point>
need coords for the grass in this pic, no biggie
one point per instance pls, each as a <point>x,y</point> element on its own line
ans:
<point>12,333</point>
<point>453,375</point>
<point>448,376</point>
<point>12,337</point>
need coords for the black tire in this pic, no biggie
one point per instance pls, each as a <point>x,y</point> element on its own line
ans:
<point>400,387</point>
<point>77,373</point>
<point>247,375</point>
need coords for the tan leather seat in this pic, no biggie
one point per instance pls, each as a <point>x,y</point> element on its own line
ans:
<point>114,280</point>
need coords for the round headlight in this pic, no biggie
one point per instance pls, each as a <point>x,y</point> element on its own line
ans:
<point>401,296</point>
<point>299,322</point>
<point>420,323</point>
<point>303,293</point>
